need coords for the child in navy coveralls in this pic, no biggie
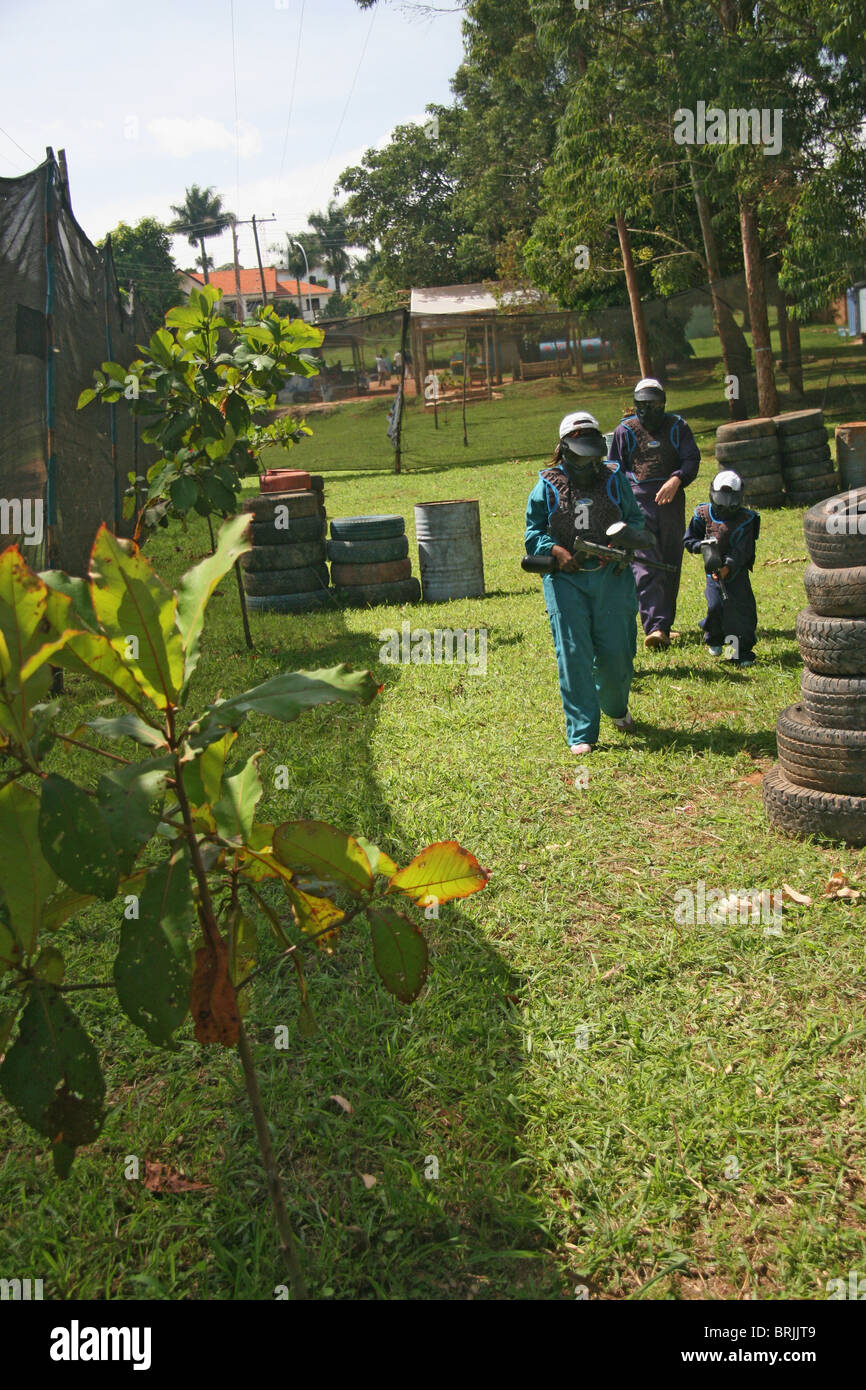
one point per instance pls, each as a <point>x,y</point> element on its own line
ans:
<point>731,608</point>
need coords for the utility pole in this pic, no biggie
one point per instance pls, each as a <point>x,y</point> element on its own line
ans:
<point>259,258</point>
<point>298,281</point>
<point>240,306</point>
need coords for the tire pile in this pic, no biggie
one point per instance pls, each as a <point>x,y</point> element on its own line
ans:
<point>285,572</point>
<point>807,464</point>
<point>818,786</point>
<point>751,448</point>
<point>370,561</point>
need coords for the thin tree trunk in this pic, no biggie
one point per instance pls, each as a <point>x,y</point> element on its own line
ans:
<point>637,315</point>
<point>204,261</point>
<point>735,349</point>
<point>795,357</point>
<point>768,401</point>
<point>243,601</point>
<point>782,325</point>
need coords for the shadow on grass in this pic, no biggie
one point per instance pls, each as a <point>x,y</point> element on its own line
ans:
<point>431,1085</point>
<point>718,739</point>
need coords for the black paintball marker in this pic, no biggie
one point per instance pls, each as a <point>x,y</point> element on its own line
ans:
<point>619,555</point>
<point>714,563</point>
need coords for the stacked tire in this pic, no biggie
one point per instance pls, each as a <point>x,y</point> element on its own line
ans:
<point>286,570</point>
<point>818,787</point>
<point>807,462</point>
<point>370,561</point>
<point>751,448</point>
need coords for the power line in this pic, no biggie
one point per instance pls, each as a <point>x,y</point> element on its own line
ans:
<point>352,88</point>
<point>32,158</point>
<point>292,98</point>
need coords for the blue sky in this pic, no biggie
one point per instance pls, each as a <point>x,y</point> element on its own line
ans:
<point>142,99</point>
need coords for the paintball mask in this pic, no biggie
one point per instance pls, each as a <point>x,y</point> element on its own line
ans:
<point>649,403</point>
<point>726,494</point>
<point>583,448</point>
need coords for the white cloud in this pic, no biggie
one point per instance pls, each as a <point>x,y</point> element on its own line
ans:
<point>182,138</point>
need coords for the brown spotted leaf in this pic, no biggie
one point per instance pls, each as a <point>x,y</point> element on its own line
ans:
<point>213,1002</point>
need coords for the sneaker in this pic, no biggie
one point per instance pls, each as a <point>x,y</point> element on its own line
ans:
<point>580,750</point>
<point>656,639</point>
<point>715,651</point>
<point>626,724</point>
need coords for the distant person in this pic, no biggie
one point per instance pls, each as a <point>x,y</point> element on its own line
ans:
<point>591,607</point>
<point>660,457</point>
<point>398,363</point>
<point>734,529</point>
<point>382,369</point>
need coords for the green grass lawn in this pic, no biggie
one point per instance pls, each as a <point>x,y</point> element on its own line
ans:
<point>706,1142</point>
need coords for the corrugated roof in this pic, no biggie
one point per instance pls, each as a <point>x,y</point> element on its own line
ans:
<point>466,299</point>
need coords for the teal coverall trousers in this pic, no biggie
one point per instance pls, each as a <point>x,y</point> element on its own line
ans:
<point>592,618</point>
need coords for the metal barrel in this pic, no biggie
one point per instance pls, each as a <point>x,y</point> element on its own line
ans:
<point>851,453</point>
<point>449,550</point>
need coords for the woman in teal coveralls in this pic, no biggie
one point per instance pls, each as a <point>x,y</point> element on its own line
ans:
<point>592,608</point>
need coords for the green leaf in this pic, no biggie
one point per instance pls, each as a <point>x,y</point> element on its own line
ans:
<point>183,492</point>
<point>125,800</point>
<point>153,967</point>
<point>131,601</point>
<point>76,839</point>
<point>49,966</point>
<point>241,792</point>
<point>380,862</point>
<point>399,953</point>
<point>28,880</point>
<point>70,902</point>
<point>93,655</point>
<point>184,316</point>
<point>128,726</point>
<point>325,851</point>
<point>285,696</point>
<point>78,591</point>
<point>197,585</point>
<point>87,395</point>
<point>203,777</point>
<point>51,1075</point>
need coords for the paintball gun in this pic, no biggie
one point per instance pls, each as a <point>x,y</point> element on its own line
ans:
<point>714,562</point>
<point>618,555</point>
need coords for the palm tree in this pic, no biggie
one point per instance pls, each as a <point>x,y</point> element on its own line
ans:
<point>199,216</point>
<point>334,236</point>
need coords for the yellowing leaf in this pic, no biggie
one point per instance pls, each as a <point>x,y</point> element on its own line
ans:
<point>315,916</point>
<point>439,873</point>
<point>135,608</point>
<point>325,851</point>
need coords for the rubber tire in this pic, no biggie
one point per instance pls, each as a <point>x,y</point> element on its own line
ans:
<point>762,427</point>
<point>767,501</point>
<point>837,593</point>
<point>803,443</point>
<point>830,760</point>
<point>762,448</point>
<point>297,555</point>
<point>368,552</point>
<point>289,581</point>
<point>817,491</point>
<point>264,559</point>
<point>762,485</point>
<point>369,595</point>
<point>298,504</point>
<point>802,811</point>
<point>387,572</point>
<point>265,535</point>
<point>290,603</point>
<point>818,467</point>
<point>798,422</point>
<point>832,646</point>
<point>837,702</point>
<point>757,468</point>
<point>367,528</point>
<point>830,551</point>
<point>317,482</point>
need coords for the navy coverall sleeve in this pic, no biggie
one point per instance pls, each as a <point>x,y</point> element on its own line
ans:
<point>690,455</point>
<point>695,534</point>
